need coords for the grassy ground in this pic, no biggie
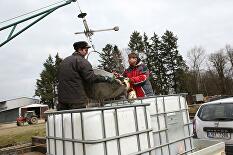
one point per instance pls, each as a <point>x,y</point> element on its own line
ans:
<point>22,134</point>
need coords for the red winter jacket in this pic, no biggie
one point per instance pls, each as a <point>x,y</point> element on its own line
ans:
<point>139,80</point>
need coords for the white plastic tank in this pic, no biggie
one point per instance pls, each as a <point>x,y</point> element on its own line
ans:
<point>172,131</point>
<point>118,130</point>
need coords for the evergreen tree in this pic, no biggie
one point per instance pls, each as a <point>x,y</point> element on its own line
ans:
<point>106,58</point>
<point>148,52</point>
<point>111,59</point>
<point>172,61</point>
<point>158,69</point>
<point>117,60</point>
<point>151,52</point>
<point>47,84</point>
<point>136,42</point>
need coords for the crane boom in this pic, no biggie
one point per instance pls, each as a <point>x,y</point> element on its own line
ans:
<point>42,15</point>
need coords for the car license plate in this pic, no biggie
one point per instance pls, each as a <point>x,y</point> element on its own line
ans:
<point>219,135</point>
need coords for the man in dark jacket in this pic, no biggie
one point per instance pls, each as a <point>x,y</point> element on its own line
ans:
<point>74,72</point>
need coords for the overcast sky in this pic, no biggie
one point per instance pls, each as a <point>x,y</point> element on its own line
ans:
<point>206,23</point>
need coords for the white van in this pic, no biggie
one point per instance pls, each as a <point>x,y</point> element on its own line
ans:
<point>214,121</point>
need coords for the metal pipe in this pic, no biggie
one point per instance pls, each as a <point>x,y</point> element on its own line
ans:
<point>13,29</point>
<point>136,127</point>
<point>38,14</point>
<point>117,132</point>
<point>25,28</point>
<point>54,128</point>
<point>158,123</point>
<point>100,140</point>
<point>162,113</point>
<point>116,28</point>
<point>104,132</point>
<point>43,13</point>
<point>72,132</point>
<point>160,146</point>
<point>97,109</point>
<point>142,98</point>
<point>166,132</point>
<point>62,133</point>
<point>48,134</point>
<point>83,136</point>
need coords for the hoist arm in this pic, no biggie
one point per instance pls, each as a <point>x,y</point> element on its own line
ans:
<point>42,15</point>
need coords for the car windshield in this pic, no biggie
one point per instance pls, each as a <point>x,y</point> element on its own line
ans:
<point>216,112</point>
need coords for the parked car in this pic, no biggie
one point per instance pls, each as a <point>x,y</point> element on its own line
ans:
<point>214,120</point>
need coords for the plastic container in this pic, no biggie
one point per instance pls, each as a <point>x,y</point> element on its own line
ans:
<point>172,131</point>
<point>116,130</point>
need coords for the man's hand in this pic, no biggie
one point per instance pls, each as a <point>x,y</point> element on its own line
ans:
<point>109,79</point>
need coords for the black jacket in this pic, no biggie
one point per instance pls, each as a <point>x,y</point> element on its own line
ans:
<point>74,72</point>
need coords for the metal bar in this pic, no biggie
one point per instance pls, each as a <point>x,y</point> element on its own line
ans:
<point>185,145</point>
<point>136,127</point>
<point>83,136</point>
<point>44,14</point>
<point>93,31</point>
<point>62,129</point>
<point>159,131</point>
<point>147,127</point>
<point>117,132</point>
<point>55,142</point>
<point>160,146</point>
<point>148,97</point>
<point>38,14</point>
<point>13,29</point>
<point>165,120</point>
<point>158,122</point>
<point>188,123</point>
<point>187,117</point>
<point>148,150</point>
<point>25,28</point>
<point>72,132</point>
<point>101,140</point>
<point>104,132</point>
<point>48,134</point>
<point>186,152</point>
<point>162,113</point>
<point>97,109</point>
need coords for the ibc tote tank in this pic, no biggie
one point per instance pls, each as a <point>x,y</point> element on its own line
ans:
<point>116,130</point>
<point>172,131</point>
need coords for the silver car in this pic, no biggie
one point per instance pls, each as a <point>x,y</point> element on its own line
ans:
<point>214,120</point>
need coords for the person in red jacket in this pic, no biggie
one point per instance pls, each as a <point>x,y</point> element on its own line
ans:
<point>138,76</point>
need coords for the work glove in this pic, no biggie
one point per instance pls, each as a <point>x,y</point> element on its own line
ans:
<point>126,82</point>
<point>109,79</point>
<point>132,94</point>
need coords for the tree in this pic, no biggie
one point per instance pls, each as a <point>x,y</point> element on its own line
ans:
<point>106,58</point>
<point>229,51</point>
<point>111,59</point>
<point>136,43</point>
<point>219,61</point>
<point>196,58</point>
<point>47,84</point>
<point>117,60</point>
<point>153,61</point>
<point>173,62</point>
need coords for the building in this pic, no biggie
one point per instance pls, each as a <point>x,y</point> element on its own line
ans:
<point>38,108</point>
<point>11,109</point>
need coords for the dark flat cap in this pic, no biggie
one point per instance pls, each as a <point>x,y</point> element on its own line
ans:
<point>81,44</point>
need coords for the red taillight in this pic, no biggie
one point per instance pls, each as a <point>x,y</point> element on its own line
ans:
<point>194,129</point>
